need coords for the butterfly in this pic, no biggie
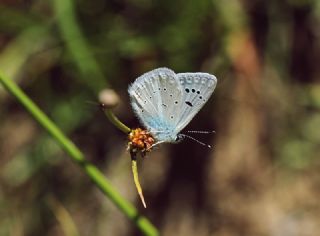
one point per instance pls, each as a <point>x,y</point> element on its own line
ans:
<point>165,102</point>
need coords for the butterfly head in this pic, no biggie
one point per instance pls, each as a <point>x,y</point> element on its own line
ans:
<point>179,138</point>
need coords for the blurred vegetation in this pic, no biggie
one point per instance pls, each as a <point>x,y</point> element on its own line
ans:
<point>261,177</point>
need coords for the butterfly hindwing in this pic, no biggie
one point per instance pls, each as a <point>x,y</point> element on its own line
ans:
<point>197,89</point>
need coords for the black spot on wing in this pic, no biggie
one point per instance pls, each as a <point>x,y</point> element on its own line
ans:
<point>189,103</point>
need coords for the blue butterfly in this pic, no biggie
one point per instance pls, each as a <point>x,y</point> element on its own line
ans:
<point>165,102</point>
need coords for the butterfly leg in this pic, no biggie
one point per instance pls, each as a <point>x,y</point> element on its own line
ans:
<point>155,145</point>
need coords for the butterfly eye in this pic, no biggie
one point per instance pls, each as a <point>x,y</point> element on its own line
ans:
<point>179,138</point>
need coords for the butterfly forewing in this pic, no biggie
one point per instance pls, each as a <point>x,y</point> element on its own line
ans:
<point>156,98</point>
<point>197,89</point>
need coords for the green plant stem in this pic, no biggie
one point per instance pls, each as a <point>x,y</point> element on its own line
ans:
<point>76,155</point>
<point>116,122</point>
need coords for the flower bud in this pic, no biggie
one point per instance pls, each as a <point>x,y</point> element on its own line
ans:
<point>108,98</point>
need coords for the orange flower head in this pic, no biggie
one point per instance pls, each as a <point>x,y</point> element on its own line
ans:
<point>140,141</point>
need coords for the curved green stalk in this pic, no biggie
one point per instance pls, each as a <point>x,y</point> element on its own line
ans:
<point>77,156</point>
<point>116,122</point>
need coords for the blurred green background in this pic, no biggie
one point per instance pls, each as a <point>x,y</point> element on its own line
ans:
<point>260,178</point>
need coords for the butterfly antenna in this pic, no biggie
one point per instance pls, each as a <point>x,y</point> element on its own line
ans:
<point>200,132</point>
<point>196,140</point>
